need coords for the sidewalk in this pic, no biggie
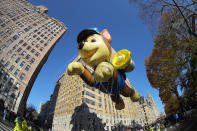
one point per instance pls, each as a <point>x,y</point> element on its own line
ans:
<point>7,123</point>
<point>189,124</point>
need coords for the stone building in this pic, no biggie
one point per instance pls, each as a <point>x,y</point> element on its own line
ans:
<point>40,107</point>
<point>156,111</point>
<point>47,111</point>
<point>27,36</point>
<point>150,112</point>
<point>81,107</point>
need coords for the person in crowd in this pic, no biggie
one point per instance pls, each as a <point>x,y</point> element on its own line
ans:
<point>8,115</point>
<point>29,126</point>
<point>176,117</point>
<point>141,129</point>
<point>157,127</point>
<point>4,113</point>
<point>17,124</point>
<point>24,125</point>
<point>152,127</point>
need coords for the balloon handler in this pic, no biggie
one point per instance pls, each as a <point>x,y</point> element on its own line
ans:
<point>18,124</point>
<point>94,48</point>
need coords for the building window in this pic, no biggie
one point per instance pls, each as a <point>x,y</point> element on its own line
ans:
<point>20,33</point>
<point>89,94</point>
<point>23,53</point>
<point>1,85</point>
<point>38,38</point>
<point>41,49</point>
<point>22,64</point>
<point>92,110</point>
<point>12,96</point>
<point>33,43</point>
<point>6,77</point>
<point>27,57</point>
<point>100,113</point>
<point>3,47</point>
<point>19,49</point>
<point>32,61</point>
<point>33,50</point>
<point>27,68</point>
<point>90,101</point>
<point>22,76</point>
<point>13,56</point>
<point>37,45</point>
<point>100,105</point>
<point>30,40</point>
<point>11,81</point>
<point>28,47</point>
<point>21,41</point>
<point>3,60</point>
<point>24,44</point>
<point>17,60</point>
<point>15,37</point>
<point>15,47</point>
<point>17,85</point>
<point>100,99</point>
<point>30,27</point>
<point>37,54</point>
<point>3,25</point>
<point>7,63</point>
<point>11,68</point>
<point>34,36</point>
<point>90,88</point>
<point>10,32</point>
<point>10,42</point>
<point>26,29</point>
<point>16,72</point>
<point>35,30</point>
<point>41,41</point>
<point>14,19</point>
<point>9,53</point>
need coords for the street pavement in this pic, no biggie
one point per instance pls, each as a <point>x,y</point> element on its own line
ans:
<point>4,126</point>
<point>189,124</point>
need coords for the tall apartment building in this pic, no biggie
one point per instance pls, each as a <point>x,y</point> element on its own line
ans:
<point>48,108</point>
<point>40,107</point>
<point>150,112</point>
<point>73,92</point>
<point>27,36</point>
<point>156,111</point>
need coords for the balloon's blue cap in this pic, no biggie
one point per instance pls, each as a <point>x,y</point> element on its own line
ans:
<point>87,32</point>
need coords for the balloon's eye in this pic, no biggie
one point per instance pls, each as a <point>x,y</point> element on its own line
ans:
<point>93,40</point>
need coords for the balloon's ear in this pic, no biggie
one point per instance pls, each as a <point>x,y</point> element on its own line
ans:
<point>106,35</point>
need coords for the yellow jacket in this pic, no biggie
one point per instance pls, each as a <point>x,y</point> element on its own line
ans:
<point>17,126</point>
<point>24,126</point>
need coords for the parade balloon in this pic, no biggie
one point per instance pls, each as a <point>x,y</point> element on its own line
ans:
<point>94,47</point>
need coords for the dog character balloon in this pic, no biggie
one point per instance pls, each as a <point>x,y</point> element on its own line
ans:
<point>94,48</point>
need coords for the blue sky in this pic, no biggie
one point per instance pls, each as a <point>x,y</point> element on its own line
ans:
<point>125,27</point>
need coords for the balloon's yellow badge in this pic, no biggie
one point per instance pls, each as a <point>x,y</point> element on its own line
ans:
<point>122,59</point>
